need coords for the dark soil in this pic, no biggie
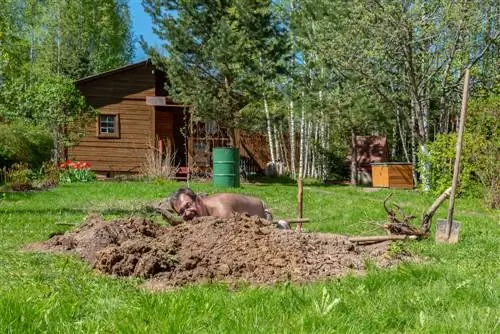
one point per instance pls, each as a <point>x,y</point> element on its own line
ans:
<point>238,249</point>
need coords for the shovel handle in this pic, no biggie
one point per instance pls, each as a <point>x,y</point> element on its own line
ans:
<point>456,167</point>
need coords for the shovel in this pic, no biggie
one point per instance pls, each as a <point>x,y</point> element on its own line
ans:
<point>447,230</point>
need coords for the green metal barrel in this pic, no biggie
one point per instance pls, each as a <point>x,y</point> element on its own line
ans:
<point>226,167</point>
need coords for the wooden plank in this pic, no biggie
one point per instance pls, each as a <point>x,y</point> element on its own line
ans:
<point>113,103</point>
<point>380,176</point>
<point>92,158</point>
<point>116,168</point>
<point>106,155</point>
<point>96,145</point>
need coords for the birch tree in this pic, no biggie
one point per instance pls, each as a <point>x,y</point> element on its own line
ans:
<point>420,47</point>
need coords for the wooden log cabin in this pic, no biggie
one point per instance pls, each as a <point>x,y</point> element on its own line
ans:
<point>136,116</point>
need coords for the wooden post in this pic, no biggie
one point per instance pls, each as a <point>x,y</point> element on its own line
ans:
<point>300,209</point>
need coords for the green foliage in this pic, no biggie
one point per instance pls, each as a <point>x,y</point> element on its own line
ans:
<point>24,143</point>
<point>45,46</point>
<point>479,158</point>
<point>219,53</point>
<point>50,101</point>
<point>483,123</point>
<point>441,158</point>
<point>70,38</point>
<point>76,171</point>
<point>20,177</point>
<point>47,175</point>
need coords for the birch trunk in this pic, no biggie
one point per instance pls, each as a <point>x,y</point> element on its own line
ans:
<point>323,138</point>
<point>314,162</point>
<point>284,150</point>
<point>402,134</point>
<point>277,149</point>
<point>269,134</point>
<point>306,150</point>
<point>354,158</point>
<point>302,140</point>
<point>292,139</point>
<point>421,113</point>
<point>413,145</point>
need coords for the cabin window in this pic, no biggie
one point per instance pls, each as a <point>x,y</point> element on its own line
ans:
<point>108,126</point>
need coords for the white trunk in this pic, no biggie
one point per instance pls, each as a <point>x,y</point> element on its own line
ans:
<point>424,176</point>
<point>276,143</point>
<point>323,138</point>
<point>413,146</point>
<point>402,133</point>
<point>292,139</point>
<point>269,134</point>
<point>284,150</point>
<point>302,140</point>
<point>354,157</point>
<point>421,113</point>
<point>394,137</point>
<point>307,148</point>
<point>314,163</point>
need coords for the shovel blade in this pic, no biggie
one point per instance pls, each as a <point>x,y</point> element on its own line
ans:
<point>441,232</point>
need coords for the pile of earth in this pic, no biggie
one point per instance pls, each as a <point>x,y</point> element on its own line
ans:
<point>238,249</point>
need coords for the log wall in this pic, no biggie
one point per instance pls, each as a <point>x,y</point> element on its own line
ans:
<point>123,93</point>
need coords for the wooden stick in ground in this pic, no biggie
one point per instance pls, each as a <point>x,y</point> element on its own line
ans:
<point>293,220</point>
<point>427,218</point>
<point>378,238</point>
<point>300,209</point>
<point>456,171</point>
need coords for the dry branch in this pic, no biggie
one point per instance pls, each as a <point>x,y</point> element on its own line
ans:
<point>427,218</point>
<point>167,212</point>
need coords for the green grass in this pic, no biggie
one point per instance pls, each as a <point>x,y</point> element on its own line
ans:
<point>454,290</point>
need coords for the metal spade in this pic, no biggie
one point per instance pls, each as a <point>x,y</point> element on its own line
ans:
<point>447,230</point>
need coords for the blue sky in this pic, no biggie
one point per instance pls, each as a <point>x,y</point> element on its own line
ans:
<point>141,25</point>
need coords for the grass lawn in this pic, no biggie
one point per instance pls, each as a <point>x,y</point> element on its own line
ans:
<point>455,290</point>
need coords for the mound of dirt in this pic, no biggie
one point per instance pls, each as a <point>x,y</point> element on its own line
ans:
<point>238,249</point>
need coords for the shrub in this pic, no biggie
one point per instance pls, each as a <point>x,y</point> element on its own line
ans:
<point>158,164</point>
<point>24,144</point>
<point>441,159</point>
<point>47,175</point>
<point>483,123</point>
<point>20,177</point>
<point>479,161</point>
<point>75,171</point>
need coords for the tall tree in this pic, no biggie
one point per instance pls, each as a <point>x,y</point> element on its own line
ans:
<point>45,45</point>
<point>82,38</point>
<point>219,53</point>
<point>410,53</point>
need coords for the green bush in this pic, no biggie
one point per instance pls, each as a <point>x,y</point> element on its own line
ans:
<point>441,159</point>
<point>20,177</point>
<point>479,160</point>
<point>483,124</point>
<point>24,144</point>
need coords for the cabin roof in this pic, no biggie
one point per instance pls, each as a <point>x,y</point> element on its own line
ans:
<point>111,72</point>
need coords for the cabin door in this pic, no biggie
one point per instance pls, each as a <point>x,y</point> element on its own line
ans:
<point>169,128</point>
